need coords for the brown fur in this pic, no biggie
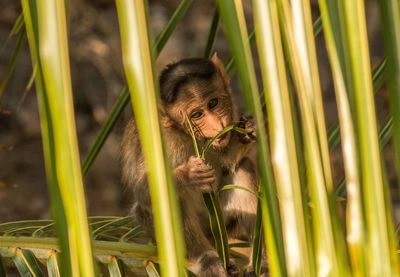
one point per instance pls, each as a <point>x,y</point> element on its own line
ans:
<point>229,161</point>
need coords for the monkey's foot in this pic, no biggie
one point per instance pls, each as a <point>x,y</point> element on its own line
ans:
<point>249,272</point>
<point>232,269</point>
<point>211,265</point>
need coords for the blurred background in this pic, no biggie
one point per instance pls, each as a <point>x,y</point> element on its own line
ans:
<point>97,79</point>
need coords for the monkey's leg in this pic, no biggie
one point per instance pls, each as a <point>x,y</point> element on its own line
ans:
<point>204,258</point>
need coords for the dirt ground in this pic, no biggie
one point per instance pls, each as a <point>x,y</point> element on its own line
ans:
<point>97,79</point>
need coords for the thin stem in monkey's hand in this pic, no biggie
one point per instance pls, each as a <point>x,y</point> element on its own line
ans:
<point>191,131</point>
<point>211,140</point>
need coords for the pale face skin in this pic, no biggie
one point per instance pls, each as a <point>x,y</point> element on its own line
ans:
<point>209,108</point>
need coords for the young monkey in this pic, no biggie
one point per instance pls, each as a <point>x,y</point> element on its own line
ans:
<point>198,89</point>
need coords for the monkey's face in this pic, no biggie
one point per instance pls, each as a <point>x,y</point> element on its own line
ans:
<point>208,105</point>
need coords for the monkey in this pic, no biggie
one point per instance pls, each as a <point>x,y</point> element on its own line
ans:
<point>198,90</point>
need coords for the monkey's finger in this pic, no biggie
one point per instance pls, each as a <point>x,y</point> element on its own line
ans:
<point>205,188</point>
<point>202,178</point>
<point>201,170</point>
<point>205,168</point>
<point>204,181</point>
<point>205,175</point>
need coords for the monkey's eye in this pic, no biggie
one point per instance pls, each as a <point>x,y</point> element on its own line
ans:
<point>212,103</point>
<point>196,115</point>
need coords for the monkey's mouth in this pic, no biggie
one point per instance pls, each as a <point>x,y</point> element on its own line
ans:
<point>222,141</point>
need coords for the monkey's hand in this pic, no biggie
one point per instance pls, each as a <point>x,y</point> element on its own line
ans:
<point>196,174</point>
<point>248,124</point>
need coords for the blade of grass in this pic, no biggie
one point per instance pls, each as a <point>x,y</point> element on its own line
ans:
<point>26,263</point>
<point>217,226</point>
<point>18,25</point>
<point>239,244</point>
<point>15,30</point>
<point>379,228</point>
<point>224,131</point>
<point>232,16</point>
<point>390,14</point>
<point>115,267</point>
<point>105,129</point>
<point>230,187</point>
<point>138,65</point>
<point>211,34</point>
<point>299,259</point>
<point>12,62</point>
<point>131,234</point>
<point>123,98</point>
<point>111,225</point>
<point>163,37</point>
<point>257,253</point>
<point>52,265</point>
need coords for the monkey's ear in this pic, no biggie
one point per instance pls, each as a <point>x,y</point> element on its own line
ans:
<point>221,69</point>
<point>166,121</point>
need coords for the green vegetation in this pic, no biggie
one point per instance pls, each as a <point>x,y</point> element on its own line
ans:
<point>298,214</point>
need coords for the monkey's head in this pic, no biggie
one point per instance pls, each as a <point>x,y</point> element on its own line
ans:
<point>197,89</point>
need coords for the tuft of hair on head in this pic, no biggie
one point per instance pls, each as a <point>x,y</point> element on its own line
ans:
<point>177,74</point>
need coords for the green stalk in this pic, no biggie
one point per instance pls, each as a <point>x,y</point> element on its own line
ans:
<point>356,236</point>
<point>53,49</point>
<point>211,200</point>
<point>48,126</point>
<point>378,78</point>
<point>138,65</point>
<point>329,242</point>
<point>232,16</point>
<point>381,257</point>
<point>120,249</point>
<point>390,14</point>
<point>299,259</point>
